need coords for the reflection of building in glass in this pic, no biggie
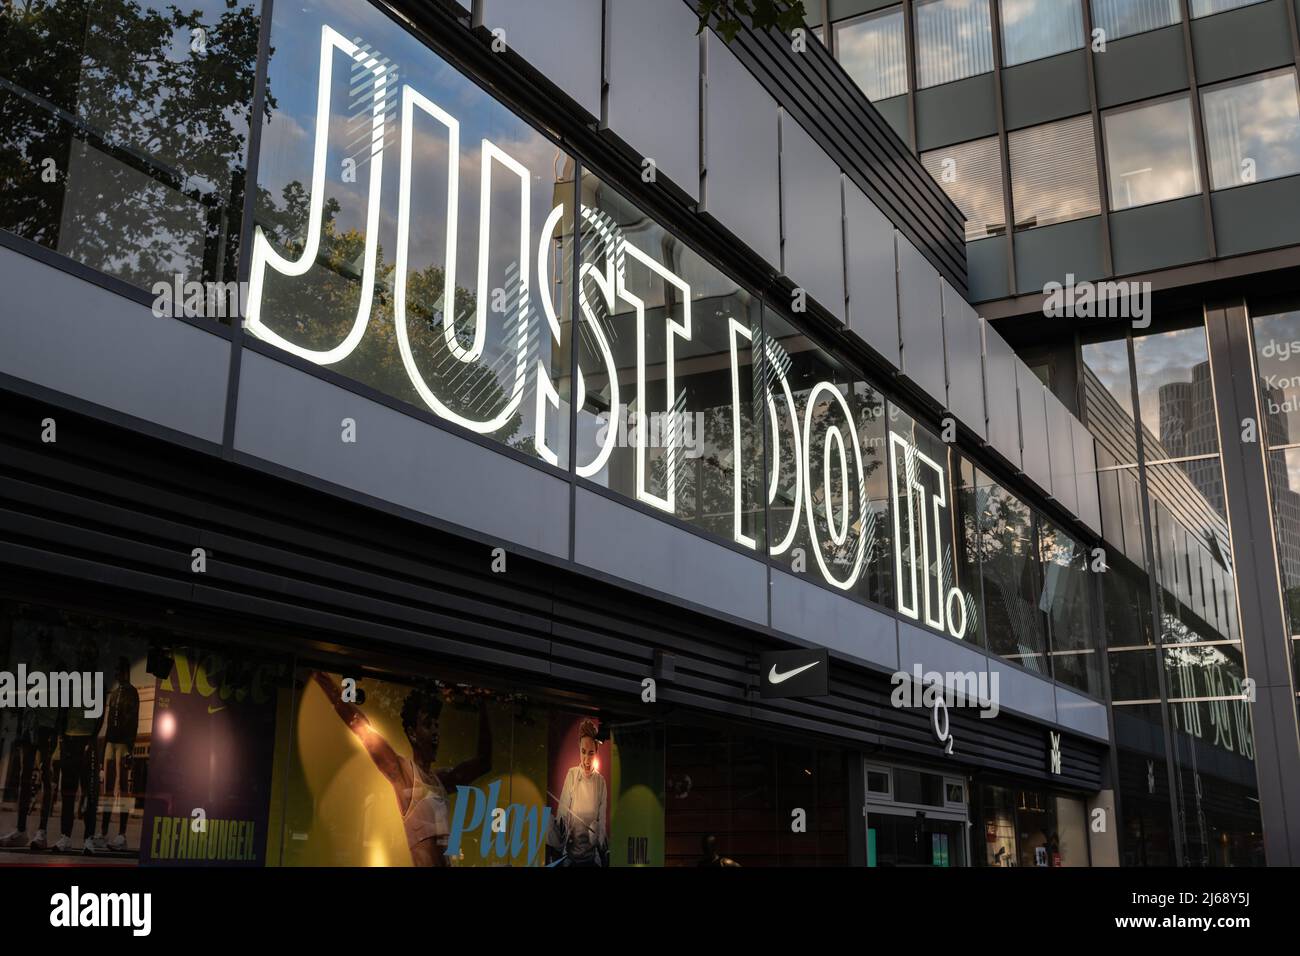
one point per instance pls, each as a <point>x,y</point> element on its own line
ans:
<point>1188,427</point>
<point>1286,500</point>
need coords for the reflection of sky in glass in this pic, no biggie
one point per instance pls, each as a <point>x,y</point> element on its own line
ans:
<point>1256,120</point>
<point>1162,359</point>
<point>873,52</point>
<point>1150,155</point>
<point>954,39</point>
<point>287,141</point>
<point>1033,29</point>
<point>1205,8</point>
<point>1121,18</point>
<point>1109,362</point>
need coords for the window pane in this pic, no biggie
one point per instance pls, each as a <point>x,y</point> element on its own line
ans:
<point>1013,623</point>
<point>1277,355</point>
<point>1067,599</point>
<point>1204,8</point>
<point>1252,129</point>
<point>122,137</point>
<point>1175,395</point>
<point>1033,29</point>
<point>874,52</point>
<point>1151,153</point>
<point>954,40</point>
<point>929,590</point>
<point>1121,18</point>
<point>1284,477</point>
<point>971,175</point>
<point>1054,173</point>
<point>486,347</point>
<point>828,490</point>
<point>668,415</point>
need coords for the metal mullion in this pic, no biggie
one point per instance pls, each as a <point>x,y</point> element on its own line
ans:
<point>1004,145</point>
<point>244,267</point>
<point>1198,128</point>
<point>909,42</point>
<point>575,273</point>
<point>1103,183</point>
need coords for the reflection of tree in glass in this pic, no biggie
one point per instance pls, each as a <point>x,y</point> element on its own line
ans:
<point>119,144</point>
<point>317,310</point>
<point>1005,530</point>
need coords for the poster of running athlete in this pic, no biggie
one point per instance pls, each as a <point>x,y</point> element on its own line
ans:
<point>431,774</point>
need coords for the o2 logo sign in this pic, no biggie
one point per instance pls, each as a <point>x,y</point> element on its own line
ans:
<point>920,510</point>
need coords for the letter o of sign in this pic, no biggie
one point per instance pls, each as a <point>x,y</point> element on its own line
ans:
<point>957,632</point>
<point>837,536</point>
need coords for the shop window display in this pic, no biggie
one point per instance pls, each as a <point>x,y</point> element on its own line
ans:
<point>441,773</point>
<point>1030,827</point>
<point>165,760</point>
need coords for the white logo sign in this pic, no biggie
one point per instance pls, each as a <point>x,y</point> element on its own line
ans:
<point>1056,751</point>
<point>774,677</point>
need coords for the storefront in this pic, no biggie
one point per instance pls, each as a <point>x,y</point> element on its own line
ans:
<point>464,546</point>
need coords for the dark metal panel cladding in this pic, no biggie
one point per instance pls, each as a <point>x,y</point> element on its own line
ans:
<point>106,520</point>
<point>816,91</point>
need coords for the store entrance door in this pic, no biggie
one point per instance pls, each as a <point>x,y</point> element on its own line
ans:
<point>915,818</point>
<point>895,838</point>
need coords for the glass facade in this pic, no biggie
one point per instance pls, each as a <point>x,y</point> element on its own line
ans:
<point>1176,665</point>
<point>132,165</point>
<point>1276,329</point>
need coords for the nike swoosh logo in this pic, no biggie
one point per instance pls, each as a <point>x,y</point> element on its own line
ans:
<point>775,678</point>
<point>213,710</point>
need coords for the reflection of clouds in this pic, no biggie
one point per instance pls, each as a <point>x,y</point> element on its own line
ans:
<point>1149,153</point>
<point>1259,120</point>
<point>873,52</point>
<point>1163,359</point>
<point>1108,361</point>
<point>954,39</point>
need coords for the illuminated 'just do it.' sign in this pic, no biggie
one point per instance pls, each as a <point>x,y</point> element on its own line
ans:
<point>812,436</point>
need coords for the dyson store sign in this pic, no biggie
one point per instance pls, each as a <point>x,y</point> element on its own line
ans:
<point>825,467</point>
